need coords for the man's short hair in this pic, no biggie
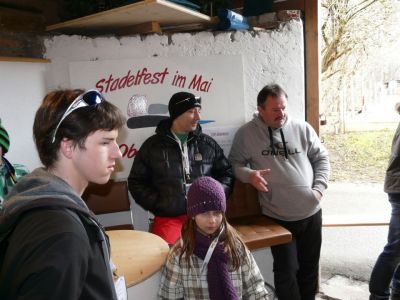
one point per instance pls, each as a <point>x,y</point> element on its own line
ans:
<point>273,90</point>
<point>77,126</point>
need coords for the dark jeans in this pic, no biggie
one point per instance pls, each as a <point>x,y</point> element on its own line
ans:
<point>386,271</point>
<point>296,264</point>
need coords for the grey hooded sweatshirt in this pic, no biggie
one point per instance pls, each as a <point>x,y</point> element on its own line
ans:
<point>298,161</point>
<point>51,246</point>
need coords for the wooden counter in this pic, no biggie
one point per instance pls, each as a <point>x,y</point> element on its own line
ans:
<point>260,232</point>
<point>137,254</point>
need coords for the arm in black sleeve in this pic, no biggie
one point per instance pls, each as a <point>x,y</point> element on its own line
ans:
<point>222,170</point>
<point>140,181</point>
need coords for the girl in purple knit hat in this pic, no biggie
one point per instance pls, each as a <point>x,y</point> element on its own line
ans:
<point>210,261</point>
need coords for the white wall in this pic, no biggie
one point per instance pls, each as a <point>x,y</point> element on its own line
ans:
<point>22,86</point>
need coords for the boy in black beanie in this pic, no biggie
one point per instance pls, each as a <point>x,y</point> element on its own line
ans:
<point>169,161</point>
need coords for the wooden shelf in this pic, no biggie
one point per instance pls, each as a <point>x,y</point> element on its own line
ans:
<point>165,13</point>
<point>24,59</point>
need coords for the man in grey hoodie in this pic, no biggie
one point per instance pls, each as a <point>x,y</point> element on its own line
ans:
<point>51,246</point>
<point>285,161</point>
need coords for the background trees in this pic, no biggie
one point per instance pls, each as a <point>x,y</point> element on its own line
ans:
<point>356,37</point>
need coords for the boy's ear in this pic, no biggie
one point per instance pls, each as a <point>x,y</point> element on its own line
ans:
<point>66,147</point>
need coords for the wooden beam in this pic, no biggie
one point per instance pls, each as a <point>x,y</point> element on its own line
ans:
<point>310,9</point>
<point>237,4</point>
<point>15,20</point>
<point>25,59</point>
<point>282,5</point>
<point>289,5</point>
<point>312,62</point>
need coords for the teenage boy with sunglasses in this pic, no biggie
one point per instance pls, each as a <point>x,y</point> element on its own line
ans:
<point>51,246</point>
<point>169,161</point>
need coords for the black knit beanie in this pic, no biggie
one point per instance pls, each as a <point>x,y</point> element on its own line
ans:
<point>181,102</point>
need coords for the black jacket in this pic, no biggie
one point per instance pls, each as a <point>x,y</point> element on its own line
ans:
<point>156,180</point>
<point>51,248</point>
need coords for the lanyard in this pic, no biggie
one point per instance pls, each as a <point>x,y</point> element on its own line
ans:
<point>9,169</point>
<point>185,157</point>
<point>186,162</point>
<point>210,251</point>
<point>207,258</point>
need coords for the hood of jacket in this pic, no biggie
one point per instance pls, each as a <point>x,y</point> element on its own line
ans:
<point>30,192</point>
<point>41,189</point>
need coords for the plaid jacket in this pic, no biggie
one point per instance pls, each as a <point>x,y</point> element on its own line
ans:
<point>6,181</point>
<point>181,281</point>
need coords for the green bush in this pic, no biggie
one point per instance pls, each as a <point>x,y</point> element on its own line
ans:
<point>359,156</point>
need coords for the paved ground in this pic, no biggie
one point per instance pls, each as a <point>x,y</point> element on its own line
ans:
<point>349,253</point>
<point>343,288</point>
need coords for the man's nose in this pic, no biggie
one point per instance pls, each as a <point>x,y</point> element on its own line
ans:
<point>117,152</point>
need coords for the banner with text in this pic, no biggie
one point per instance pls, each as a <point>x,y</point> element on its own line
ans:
<point>141,88</point>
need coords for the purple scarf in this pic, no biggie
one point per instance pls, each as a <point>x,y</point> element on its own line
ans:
<point>220,286</point>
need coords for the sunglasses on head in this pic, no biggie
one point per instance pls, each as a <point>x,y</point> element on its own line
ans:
<point>88,98</point>
<point>194,100</point>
